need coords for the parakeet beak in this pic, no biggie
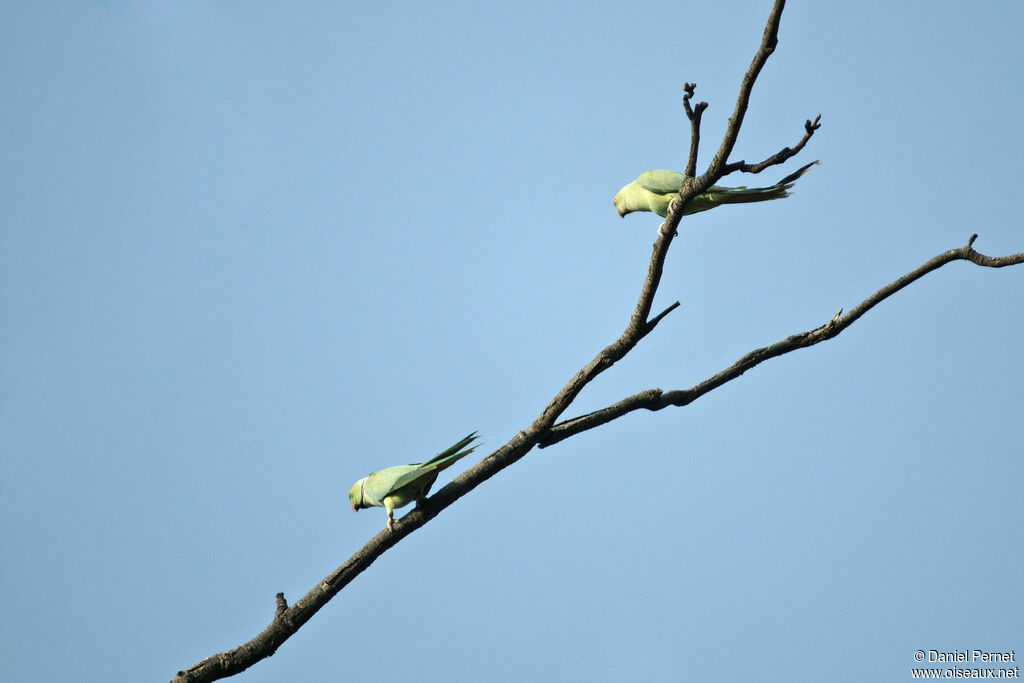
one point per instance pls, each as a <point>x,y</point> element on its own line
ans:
<point>621,215</point>
<point>354,508</point>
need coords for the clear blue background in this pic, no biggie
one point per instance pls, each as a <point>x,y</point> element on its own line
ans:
<point>252,251</point>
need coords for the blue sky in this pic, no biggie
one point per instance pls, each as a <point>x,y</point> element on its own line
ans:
<point>254,251</point>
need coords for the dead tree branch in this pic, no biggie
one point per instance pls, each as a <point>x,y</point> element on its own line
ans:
<point>780,156</point>
<point>694,114</point>
<point>656,399</point>
<point>288,619</point>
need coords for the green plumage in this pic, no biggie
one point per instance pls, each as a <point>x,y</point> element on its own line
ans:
<point>653,190</point>
<point>395,487</point>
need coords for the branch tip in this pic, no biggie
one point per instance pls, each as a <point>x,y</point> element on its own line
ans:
<point>970,242</point>
<point>779,157</point>
<point>649,325</point>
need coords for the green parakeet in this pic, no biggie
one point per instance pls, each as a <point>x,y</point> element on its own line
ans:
<point>395,487</point>
<point>653,190</point>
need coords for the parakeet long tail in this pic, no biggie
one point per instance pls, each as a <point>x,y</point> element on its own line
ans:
<point>740,195</point>
<point>451,454</point>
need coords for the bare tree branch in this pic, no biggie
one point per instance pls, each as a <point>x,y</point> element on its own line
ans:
<point>656,399</point>
<point>694,114</point>
<point>768,42</point>
<point>289,619</point>
<point>719,167</point>
<point>779,157</point>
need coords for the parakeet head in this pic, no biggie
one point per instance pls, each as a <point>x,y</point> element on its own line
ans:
<point>620,205</point>
<point>355,494</point>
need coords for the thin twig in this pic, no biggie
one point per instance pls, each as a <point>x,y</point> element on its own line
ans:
<point>779,157</point>
<point>694,114</point>
<point>657,319</point>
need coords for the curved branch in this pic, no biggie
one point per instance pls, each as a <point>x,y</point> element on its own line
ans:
<point>779,157</point>
<point>656,399</point>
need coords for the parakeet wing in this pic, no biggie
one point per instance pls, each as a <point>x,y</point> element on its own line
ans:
<point>660,182</point>
<point>410,478</point>
<point>383,483</point>
<point>439,462</point>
